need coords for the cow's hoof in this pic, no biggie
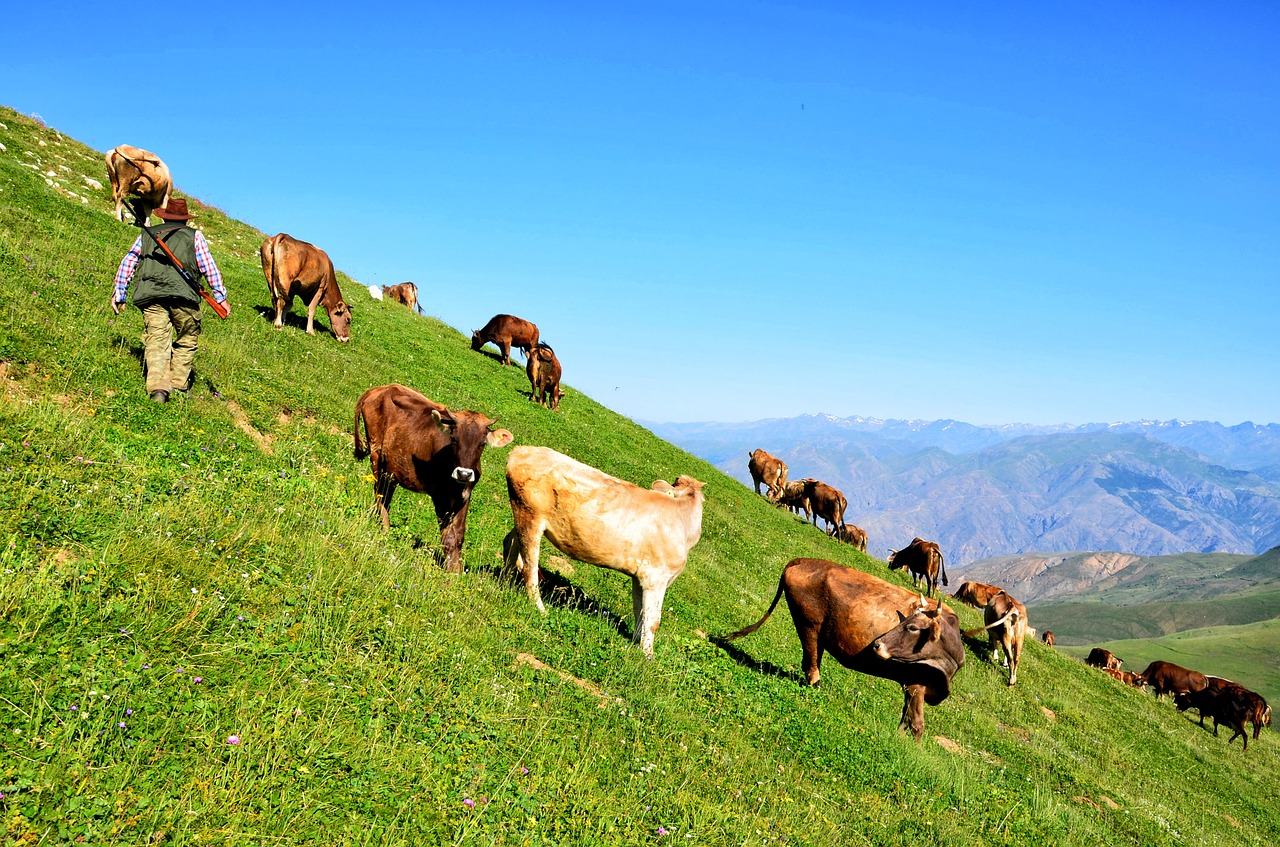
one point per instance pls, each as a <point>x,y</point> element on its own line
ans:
<point>160,396</point>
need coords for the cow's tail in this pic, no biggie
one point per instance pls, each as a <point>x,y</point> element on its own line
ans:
<point>942,566</point>
<point>1011,615</point>
<point>760,623</point>
<point>361,449</point>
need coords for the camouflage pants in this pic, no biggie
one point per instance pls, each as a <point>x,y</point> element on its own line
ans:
<point>169,335</point>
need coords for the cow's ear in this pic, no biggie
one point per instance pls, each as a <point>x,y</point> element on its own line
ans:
<point>935,628</point>
<point>499,438</point>
<point>445,424</point>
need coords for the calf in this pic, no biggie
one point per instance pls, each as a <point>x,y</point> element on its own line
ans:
<point>825,501</point>
<point>1048,637</point>
<point>296,268</point>
<point>1103,659</point>
<point>849,534</point>
<point>1221,704</point>
<point>923,559</point>
<point>769,470</point>
<point>1006,628</point>
<point>506,331</point>
<point>1168,678</point>
<point>404,293</point>
<point>420,445</point>
<point>141,174</point>
<point>792,497</point>
<point>646,533</point>
<point>873,627</point>
<point>976,594</point>
<point>543,370</point>
<point>1127,677</point>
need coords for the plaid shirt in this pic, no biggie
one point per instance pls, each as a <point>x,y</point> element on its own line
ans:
<point>203,258</point>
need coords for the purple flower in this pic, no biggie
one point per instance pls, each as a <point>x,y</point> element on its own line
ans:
<point>198,679</point>
<point>240,617</point>
<point>233,740</point>
<point>663,831</point>
<point>121,724</point>
<point>146,667</point>
<point>177,670</point>
<point>128,712</point>
<point>74,707</point>
<point>523,769</point>
<point>468,802</point>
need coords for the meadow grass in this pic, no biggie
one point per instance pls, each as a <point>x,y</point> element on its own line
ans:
<point>206,638</point>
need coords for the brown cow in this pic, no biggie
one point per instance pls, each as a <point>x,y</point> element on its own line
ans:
<point>1006,628</point>
<point>1257,712</point>
<point>595,518</point>
<point>138,173</point>
<point>507,331</point>
<point>1224,705</point>
<point>849,534</point>
<point>1099,658</point>
<point>543,369</point>
<point>871,626</point>
<point>1048,637</point>
<point>976,594</point>
<point>1168,678</point>
<point>767,469</point>
<point>1127,677</point>
<point>923,559</point>
<point>825,501</point>
<point>295,268</point>
<point>422,446</point>
<point>792,497</point>
<point>405,293</point>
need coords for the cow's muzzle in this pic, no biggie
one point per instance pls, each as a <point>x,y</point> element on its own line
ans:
<point>880,650</point>
<point>464,475</point>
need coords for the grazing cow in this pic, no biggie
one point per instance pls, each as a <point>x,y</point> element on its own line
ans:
<point>543,369</point>
<point>138,173</point>
<point>976,594</point>
<point>422,446</point>
<point>792,497</point>
<point>405,293</point>
<point>767,469</point>
<point>871,626</point>
<point>1223,705</point>
<point>1006,628</point>
<point>923,559</point>
<point>295,268</point>
<point>1168,678</point>
<point>1257,712</point>
<point>1127,677</point>
<point>849,534</point>
<point>507,331</point>
<point>646,533</point>
<point>1048,637</point>
<point>825,501</point>
<point>1099,658</point>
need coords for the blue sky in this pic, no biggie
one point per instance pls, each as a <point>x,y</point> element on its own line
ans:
<point>994,212</point>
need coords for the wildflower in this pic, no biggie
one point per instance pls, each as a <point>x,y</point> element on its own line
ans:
<point>468,802</point>
<point>74,707</point>
<point>663,831</point>
<point>240,618</point>
<point>233,740</point>
<point>198,679</point>
<point>146,667</point>
<point>128,712</point>
<point>524,769</point>
<point>177,670</point>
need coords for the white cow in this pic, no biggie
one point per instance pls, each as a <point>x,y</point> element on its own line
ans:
<point>138,173</point>
<point>595,518</point>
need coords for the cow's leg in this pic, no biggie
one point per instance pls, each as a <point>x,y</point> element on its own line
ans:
<point>282,304</point>
<point>811,645</point>
<point>506,351</point>
<point>453,531</point>
<point>912,710</point>
<point>382,491</point>
<point>523,552</point>
<point>647,594</point>
<point>1015,656</point>
<point>311,310</point>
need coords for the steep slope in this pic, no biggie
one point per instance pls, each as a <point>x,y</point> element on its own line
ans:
<point>205,638</point>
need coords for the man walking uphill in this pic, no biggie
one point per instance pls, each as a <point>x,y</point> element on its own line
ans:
<point>170,305</point>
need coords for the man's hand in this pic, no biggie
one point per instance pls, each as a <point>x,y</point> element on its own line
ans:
<point>227,304</point>
<point>115,307</point>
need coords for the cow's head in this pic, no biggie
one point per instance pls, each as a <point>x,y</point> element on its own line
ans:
<point>340,321</point>
<point>476,341</point>
<point>929,640</point>
<point>556,396</point>
<point>469,433</point>
<point>893,554</point>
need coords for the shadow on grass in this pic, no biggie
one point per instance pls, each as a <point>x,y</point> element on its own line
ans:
<point>758,665</point>
<point>560,592</point>
<point>296,320</point>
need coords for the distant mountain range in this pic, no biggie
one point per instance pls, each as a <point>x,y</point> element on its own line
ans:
<point>1149,488</point>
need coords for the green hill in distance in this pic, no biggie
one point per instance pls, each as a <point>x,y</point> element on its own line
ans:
<point>206,638</point>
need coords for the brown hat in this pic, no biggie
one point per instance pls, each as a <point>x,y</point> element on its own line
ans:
<point>174,210</point>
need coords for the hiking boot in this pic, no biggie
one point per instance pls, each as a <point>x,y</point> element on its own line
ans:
<point>160,396</point>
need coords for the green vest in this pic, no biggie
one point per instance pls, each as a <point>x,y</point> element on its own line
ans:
<point>156,279</point>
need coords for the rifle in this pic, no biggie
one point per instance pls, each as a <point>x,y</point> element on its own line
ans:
<point>218,309</point>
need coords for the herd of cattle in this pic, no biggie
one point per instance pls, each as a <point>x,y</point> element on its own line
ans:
<point>868,624</point>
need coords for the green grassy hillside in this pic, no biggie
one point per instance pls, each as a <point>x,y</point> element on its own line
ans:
<point>205,638</point>
<point>1247,654</point>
